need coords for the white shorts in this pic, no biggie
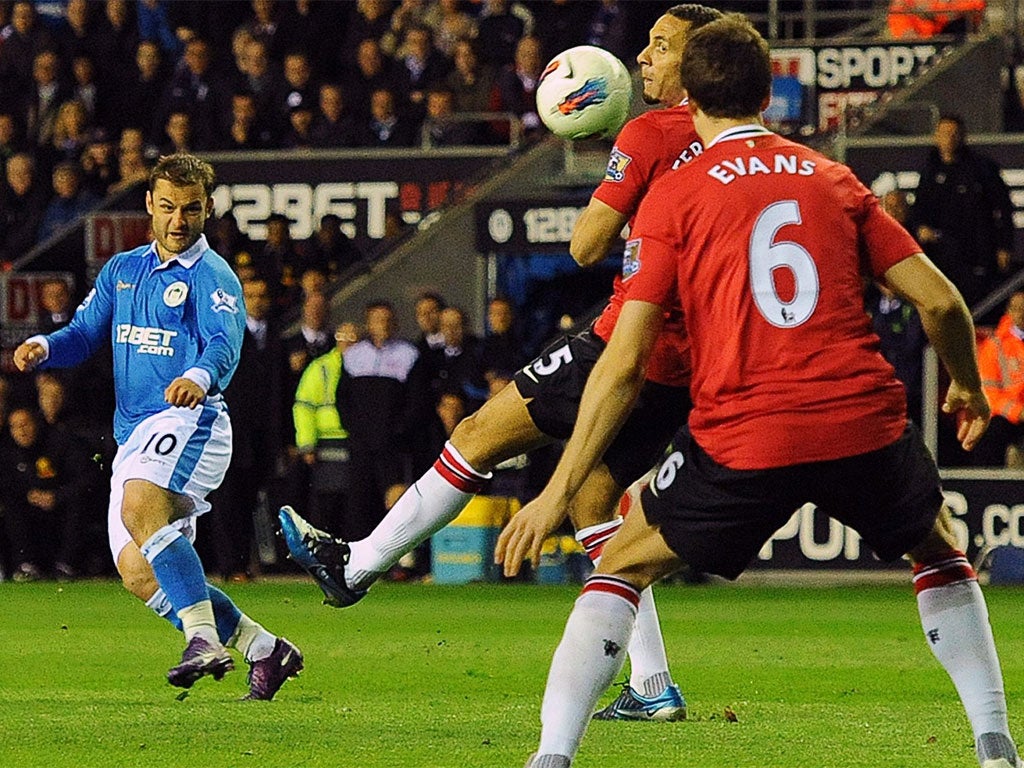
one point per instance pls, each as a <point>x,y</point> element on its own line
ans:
<point>184,450</point>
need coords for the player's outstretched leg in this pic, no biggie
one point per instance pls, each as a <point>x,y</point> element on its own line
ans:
<point>321,555</point>
<point>345,571</point>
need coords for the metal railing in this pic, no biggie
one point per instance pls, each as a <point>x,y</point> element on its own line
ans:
<point>483,120</point>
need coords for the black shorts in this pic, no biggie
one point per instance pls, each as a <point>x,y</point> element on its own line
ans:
<point>552,385</point>
<point>717,519</point>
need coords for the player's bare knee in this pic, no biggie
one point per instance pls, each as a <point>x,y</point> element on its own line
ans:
<point>939,543</point>
<point>474,439</point>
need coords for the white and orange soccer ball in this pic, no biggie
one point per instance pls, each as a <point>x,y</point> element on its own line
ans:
<point>584,91</point>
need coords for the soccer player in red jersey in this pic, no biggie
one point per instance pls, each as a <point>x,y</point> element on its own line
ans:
<point>541,403</point>
<point>764,244</point>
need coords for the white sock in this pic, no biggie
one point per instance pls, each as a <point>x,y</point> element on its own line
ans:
<point>648,663</point>
<point>198,620</point>
<point>426,507</point>
<point>589,657</point>
<point>252,640</point>
<point>956,627</point>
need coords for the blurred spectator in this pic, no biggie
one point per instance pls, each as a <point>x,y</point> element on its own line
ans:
<point>609,28</point>
<point>278,260</point>
<point>263,78</point>
<point>408,14</point>
<point>99,164</point>
<point>139,96</point>
<point>321,438</point>
<point>311,340</point>
<point>56,305</point>
<point>385,128</point>
<point>22,205</point>
<point>70,200</point>
<point>132,167</point>
<point>114,43</point>
<point>371,400</point>
<point>428,318</point>
<point>10,142</point>
<point>298,134</point>
<point>903,341</point>
<point>300,87</point>
<point>329,249</point>
<point>227,239</point>
<point>420,64</point>
<point>263,25</point>
<point>501,351</point>
<point>441,128</point>
<point>471,81</point>
<point>1001,362</point>
<point>86,90</point>
<point>197,89</point>
<point>72,33</point>
<point>178,135</point>
<point>47,482</point>
<point>372,73</point>
<point>247,130</point>
<point>256,398</point>
<point>71,132</point>
<point>155,25</point>
<point>332,127</point>
<point>561,24</point>
<point>962,214</point>
<point>302,29</point>
<point>449,24</point>
<point>312,280</point>
<point>517,84</point>
<point>499,28</point>
<point>23,40</point>
<point>44,97</point>
<point>459,367</point>
<point>369,20</point>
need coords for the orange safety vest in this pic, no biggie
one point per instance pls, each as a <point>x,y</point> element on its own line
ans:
<point>1001,364</point>
<point>926,18</point>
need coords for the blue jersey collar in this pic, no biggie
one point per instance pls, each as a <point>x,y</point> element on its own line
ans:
<point>187,258</point>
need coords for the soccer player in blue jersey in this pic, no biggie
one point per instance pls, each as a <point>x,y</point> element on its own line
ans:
<point>174,314</point>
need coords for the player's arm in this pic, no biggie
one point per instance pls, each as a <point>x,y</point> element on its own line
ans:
<point>596,230</point>
<point>76,342</point>
<point>948,325</point>
<point>611,391</point>
<point>220,315</point>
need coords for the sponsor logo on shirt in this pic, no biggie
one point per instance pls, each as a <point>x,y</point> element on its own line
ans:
<point>617,162</point>
<point>149,341</point>
<point>631,259</point>
<point>123,286</point>
<point>175,294</point>
<point>224,301</point>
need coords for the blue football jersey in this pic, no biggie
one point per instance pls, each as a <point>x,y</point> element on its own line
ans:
<point>162,319</point>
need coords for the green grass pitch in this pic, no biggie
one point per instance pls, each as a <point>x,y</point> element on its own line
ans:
<point>451,677</point>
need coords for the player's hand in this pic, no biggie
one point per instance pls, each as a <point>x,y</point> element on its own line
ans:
<point>972,412</point>
<point>524,536</point>
<point>184,393</point>
<point>28,355</point>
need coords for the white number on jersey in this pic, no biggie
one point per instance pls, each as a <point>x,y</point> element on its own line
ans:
<point>766,256</point>
<point>555,360</point>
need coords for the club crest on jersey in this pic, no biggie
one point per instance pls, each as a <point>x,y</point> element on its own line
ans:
<point>175,294</point>
<point>631,259</point>
<point>594,91</point>
<point>617,162</point>
<point>224,301</point>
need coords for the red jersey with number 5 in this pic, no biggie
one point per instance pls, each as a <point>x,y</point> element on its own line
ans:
<point>646,148</point>
<point>769,243</point>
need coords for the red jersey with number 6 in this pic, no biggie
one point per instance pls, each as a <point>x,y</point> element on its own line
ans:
<point>768,243</point>
<point>644,150</point>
